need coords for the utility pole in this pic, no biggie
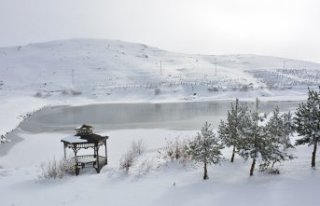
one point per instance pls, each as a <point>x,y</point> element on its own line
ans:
<point>72,77</point>
<point>215,67</point>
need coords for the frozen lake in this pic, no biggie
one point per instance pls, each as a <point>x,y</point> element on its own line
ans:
<point>176,116</point>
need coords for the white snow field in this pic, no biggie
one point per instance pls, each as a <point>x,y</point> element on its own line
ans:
<point>85,71</point>
<point>161,183</point>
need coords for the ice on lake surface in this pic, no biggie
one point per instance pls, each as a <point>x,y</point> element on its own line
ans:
<point>177,116</point>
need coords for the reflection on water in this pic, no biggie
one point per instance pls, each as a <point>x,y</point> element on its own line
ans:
<point>180,116</point>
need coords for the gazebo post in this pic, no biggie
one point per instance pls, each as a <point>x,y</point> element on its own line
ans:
<point>75,150</point>
<point>106,152</point>
<point>64,151</point>
<point>97,150</point>
<point>75,154</point>
<point>98,163</point>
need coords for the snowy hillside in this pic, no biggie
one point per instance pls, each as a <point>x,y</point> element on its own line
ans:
<point>42,77</point>
<point>115,69</point>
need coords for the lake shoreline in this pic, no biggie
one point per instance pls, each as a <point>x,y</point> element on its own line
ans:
<point>171,117</point>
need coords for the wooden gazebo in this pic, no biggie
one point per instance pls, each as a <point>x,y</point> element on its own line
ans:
<point>84,139</point>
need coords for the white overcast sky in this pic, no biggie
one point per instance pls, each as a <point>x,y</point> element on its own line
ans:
<point>285,28</point>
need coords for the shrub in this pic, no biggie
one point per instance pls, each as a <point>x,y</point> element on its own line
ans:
<point>127,161</point>
<point>137,147</point>
<point>54,169</point>
<point>145,167</point>
<point>176,151</point>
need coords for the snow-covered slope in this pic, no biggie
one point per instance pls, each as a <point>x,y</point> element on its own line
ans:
<point>113,69</point>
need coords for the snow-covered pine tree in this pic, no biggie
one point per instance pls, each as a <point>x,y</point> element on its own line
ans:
<point>254,141</point>
<point>229,130</point>
<point>307,123</point>
<point>252,137</point>
<point>278,133</point>
<point>206,148</point>
<point>288,127</point>
<point>280,128</point>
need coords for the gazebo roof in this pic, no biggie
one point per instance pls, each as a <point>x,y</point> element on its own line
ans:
<point>73,140</point>
<point>87,138</point>
<point>84,135</point>
<point>85,126</point>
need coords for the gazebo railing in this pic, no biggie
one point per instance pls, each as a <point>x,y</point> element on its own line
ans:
<point>87,161</point>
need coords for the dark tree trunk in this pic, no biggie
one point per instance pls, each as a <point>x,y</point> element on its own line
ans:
<point>233,153</point>
<point>234,147</point>
<point>252,166</point>
<point>205,175</point>
<point>313,161</point>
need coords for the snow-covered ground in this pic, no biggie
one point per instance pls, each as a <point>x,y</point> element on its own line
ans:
<point>83,71</point>
<point>165,183</point>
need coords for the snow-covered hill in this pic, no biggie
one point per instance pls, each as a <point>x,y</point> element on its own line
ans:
<point>54,73</point>
<point>116,69</point>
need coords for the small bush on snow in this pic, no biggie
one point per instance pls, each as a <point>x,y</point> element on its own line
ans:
<point>145,167</point>
<point>137,147</point>
<point>128,159</point>
<point>54,169</point>
<point>176,150</point>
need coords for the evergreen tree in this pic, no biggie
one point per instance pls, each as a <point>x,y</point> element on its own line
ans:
<point>278,132</point>
<point>206,148</point>
<point>280,128</point>
<point>229,130</point>
<point>253,138</point>
<point>288,127</point>
<point>307,123</point>
<point>275,124</point>
<point>255,143</point>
